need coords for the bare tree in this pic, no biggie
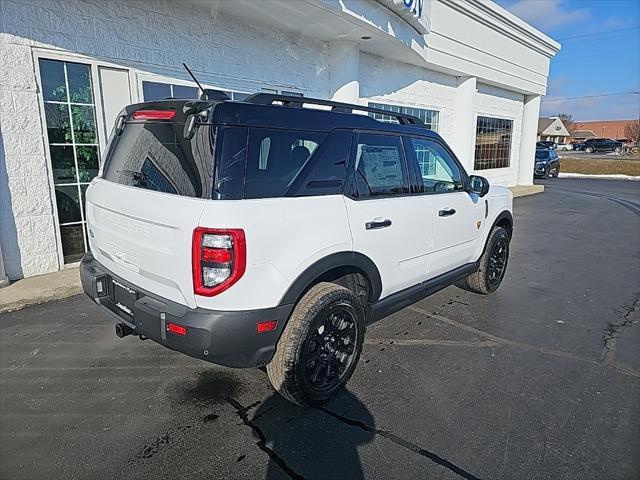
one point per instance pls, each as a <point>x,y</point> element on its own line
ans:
<point>568,120</point>
<point>632,131</point>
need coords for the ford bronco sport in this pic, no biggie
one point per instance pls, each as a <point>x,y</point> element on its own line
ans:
<point>272,231</point>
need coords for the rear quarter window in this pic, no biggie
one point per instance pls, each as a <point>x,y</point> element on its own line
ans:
<point>274,159</point>
<point>156,156</point>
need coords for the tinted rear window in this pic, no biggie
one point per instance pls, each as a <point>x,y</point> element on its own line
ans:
<point>157,156</point>
<point>542,154</point>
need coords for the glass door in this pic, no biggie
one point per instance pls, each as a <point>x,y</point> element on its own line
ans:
<point>70,115</point>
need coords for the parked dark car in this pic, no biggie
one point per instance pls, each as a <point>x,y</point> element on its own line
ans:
<point>547,163</point>
<point>578,147</point>
<point>546,144</point>
<point>602,145</point>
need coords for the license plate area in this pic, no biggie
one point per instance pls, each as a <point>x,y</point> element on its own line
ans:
<point>123,297</point>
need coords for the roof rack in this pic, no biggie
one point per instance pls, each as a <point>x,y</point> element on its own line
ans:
<point>297,102</point>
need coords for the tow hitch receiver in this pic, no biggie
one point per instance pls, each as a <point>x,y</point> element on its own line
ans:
<point>123,330</point>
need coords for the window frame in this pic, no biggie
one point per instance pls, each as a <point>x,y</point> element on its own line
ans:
<point>350,190</point>
<point>492,115</point>
<point>416,168</point>
<point>101,140</point>
<point>381,104</point>
<point>168,80</point>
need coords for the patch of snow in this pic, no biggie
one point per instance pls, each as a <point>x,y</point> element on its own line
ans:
<point>613,176</point>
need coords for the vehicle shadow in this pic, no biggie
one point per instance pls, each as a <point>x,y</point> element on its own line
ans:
<point>312,442</point>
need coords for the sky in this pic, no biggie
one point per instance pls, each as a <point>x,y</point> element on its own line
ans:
<point>600,55</point>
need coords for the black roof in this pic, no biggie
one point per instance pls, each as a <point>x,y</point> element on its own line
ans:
<point>260,111</point>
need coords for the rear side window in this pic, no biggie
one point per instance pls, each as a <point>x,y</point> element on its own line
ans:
<point>156,156</point>
<point>379,166</point>
<point>274,159</point>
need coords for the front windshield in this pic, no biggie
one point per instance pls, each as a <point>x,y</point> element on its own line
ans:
<point>542,154</point>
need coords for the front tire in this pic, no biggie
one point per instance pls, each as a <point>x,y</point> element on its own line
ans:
<point>320,346</point>
<point>588,150</point>
<point>492,263</point>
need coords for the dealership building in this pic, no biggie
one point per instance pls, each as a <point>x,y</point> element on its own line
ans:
<point>470,69</point>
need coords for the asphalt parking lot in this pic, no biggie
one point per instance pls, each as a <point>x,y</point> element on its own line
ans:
<point>539,380</point>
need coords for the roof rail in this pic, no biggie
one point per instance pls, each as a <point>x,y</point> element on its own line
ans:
<point>297,102</point>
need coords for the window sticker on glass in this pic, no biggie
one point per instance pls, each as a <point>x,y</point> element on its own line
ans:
<point>379,166</point>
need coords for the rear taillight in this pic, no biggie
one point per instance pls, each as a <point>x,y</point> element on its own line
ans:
<point>219,259</point>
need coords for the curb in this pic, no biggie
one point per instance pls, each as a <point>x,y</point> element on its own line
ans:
<point>525,190</point>
<point>40,289</point>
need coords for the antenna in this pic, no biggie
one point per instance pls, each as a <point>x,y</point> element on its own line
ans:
<point>193,76</point>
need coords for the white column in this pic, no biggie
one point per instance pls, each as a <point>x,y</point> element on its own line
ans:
<point>345,72</point>
<point>4,281</point>
<point>528,138</point>
<point>464,134</point>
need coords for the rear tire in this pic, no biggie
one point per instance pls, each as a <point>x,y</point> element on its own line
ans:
<point>320,346</point>
<point>492,263</point>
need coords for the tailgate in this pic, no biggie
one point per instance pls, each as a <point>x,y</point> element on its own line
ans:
<point>144,237</point>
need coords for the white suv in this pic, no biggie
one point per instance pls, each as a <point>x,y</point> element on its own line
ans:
<point>272,231</point>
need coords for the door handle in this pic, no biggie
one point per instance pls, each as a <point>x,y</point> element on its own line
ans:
<point>447,212</point>
<point>377,224</point>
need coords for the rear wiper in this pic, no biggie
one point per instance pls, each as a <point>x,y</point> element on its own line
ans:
<point>140,178</point>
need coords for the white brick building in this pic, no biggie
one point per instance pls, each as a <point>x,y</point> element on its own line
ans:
<point>468,67</point>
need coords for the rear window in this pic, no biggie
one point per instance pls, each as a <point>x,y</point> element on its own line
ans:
<point>542,154</point>
<point>156,156</point>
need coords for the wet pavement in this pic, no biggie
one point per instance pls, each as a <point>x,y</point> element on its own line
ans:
<point>539,380</point>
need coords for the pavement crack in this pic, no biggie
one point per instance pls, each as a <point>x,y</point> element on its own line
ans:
<point>412,447</point>
<point>613,331</point>
<point>513,343</point>
<point>242,412</point>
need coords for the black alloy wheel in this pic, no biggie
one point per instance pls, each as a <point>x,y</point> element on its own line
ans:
<point>497,263</point>
<point>330,348</point>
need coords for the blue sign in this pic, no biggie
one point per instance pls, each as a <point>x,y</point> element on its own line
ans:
<point>414,6</point>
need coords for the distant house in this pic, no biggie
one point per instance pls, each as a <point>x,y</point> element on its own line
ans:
<point>579,136</point>
<point>552,129</point>
<point>614,129</point>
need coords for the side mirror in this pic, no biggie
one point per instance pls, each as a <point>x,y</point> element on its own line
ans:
<point>478,185</point>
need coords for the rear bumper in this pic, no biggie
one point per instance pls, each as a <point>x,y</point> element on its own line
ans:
<point>226,338</point>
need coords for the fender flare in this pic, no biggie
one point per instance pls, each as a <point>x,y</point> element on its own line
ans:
<point>335,260</point>
<point>505,214</point>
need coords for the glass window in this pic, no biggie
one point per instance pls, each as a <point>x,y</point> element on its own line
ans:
<point>152,91</point>
<point>230,167</point>
<point>70,116</point>
<point>379,166</point>
<point>156,156</point>
<point>429,117</point>
<point>439,171</point>
<point>274,159</point>
<point>493,143</point>
<point>328,167</point>
<point>275,91</point>
<point>542,154</point>
<point>159,91</point>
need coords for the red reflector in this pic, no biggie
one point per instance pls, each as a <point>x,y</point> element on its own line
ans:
<point>154,114</point>
<point>267,326</point>
<point>216,255</point>
<point>177,329</point>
